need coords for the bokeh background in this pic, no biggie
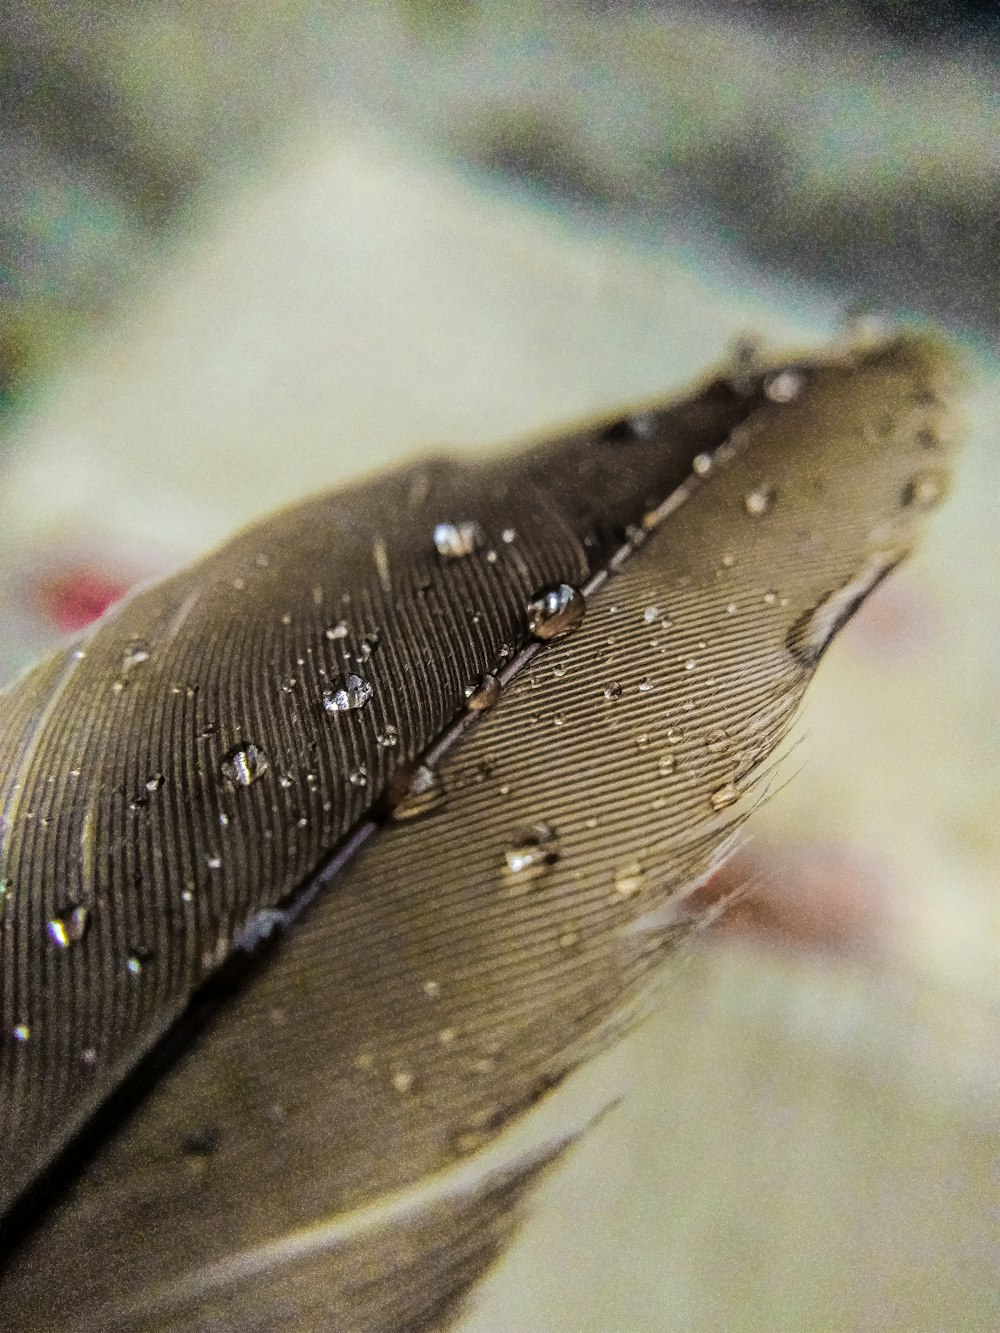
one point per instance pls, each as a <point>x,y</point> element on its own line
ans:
<point>249,250</point>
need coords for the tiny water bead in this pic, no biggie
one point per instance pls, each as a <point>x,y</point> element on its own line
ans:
<point>134,656</point>
<point>613,691</point>
<point>358,777</point>
<point>69,926</point>
<point>454,540</point>
<point>701,465</point>
<point>355,693</point>
<point>555,611</point>
<point>21,1032</point>
<point>244,765</point>
<point>759,500</point>
<point>531,855</point>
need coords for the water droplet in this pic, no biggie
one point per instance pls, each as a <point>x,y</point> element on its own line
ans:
<point>667,764</point>
<point>717,741</point>
<point>454,540</point>
<point>354,694</point>
<point>558,719</point>
<point>533,853</point>
<point>244,765</point>
<point>155,782</point>
<point>134,656</point>
<point>645,685</point>
<point>701,464</point>
<point>758,501</point>
<point>613,691</point>
<point>69,926</point>
<point>724,796</point>
<point>388,737</point>
<point>403,1081</point>
<point>553,612</point>
<point>21,1032</point>
<point>338,631</point>
<point>640,426</point>
<point>432,989</point>
<point>88,1055</point>
<point>213,862</point>
<point>508,535</point>
<point>486,694</point>
<point>770,598</point>
<point>784,386</point>
<point>730,608</point>
<point>558,670</point>
<point>642,742</point>
<point>358,777</point>
<point>690,664</point>
<point>136,961</point>
<point>651,615</point>
<point>728,560</point>
<point>425,793</point>
<point>924,490</point>
<point>628,879</point>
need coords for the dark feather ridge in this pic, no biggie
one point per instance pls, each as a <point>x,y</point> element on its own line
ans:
<point>190,777</point>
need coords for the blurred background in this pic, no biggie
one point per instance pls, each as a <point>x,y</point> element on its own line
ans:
<point>250,250</point>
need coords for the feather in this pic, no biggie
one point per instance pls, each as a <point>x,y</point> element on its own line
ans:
<point>329,858</point>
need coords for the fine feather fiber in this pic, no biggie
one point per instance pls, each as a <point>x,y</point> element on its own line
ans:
<point>319,1143</point>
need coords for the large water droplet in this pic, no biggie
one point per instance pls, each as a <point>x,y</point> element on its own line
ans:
<point>924,490</point>
<point>724,796</point>
<point>425,793</point>
<point>759,500</point>
<point>244,765</point>
<point>486,695</point>
<point>553,612</point>
<point>354,694</point>
<point>454,540</point>
<point>69,926</point>
<point>784,386</point>
<point>629,879</point>
<point>533,853</point>
<point>613,691</point>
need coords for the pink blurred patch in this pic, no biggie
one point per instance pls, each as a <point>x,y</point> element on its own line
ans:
<point>816,899</point>
<point>74,598</point>
<point>896,622</point>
